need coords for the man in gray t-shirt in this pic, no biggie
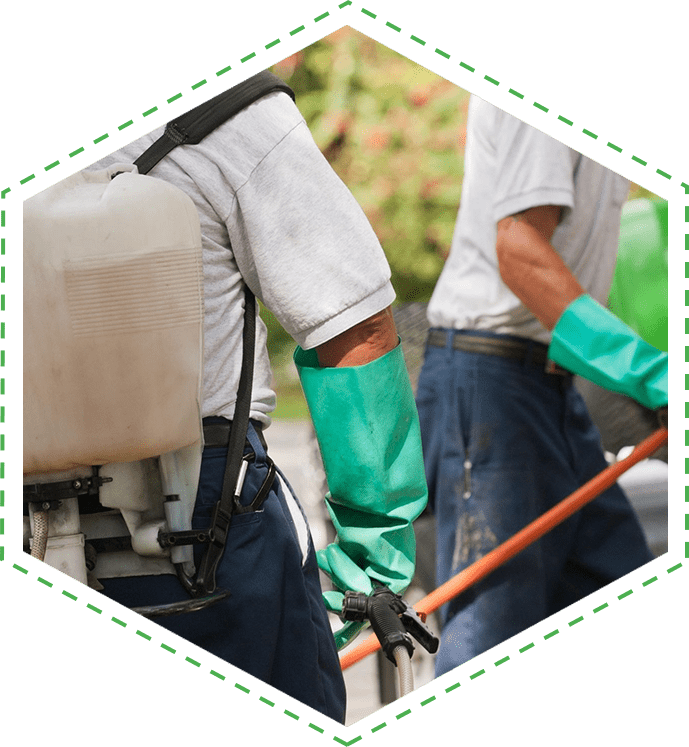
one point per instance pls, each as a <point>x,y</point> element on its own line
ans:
<point>506,436</point>
<point>275,216</point>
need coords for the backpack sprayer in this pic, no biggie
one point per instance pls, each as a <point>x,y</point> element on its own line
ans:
<point>113,315</point>
<point>113,334</point>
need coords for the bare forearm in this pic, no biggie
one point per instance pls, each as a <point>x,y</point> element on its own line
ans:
<point>531,268</point>
<point>361,344</point>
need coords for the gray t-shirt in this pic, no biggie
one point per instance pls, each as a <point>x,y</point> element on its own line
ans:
<point>511,167</point>
<point>275,214</point>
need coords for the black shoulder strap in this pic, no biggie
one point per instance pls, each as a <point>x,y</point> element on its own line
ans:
<point>192,127</point>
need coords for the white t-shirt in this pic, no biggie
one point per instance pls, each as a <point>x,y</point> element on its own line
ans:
<point>511,167</point>
<point>274,213</point>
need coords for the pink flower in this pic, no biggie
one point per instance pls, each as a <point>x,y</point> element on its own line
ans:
<point>377,138</point>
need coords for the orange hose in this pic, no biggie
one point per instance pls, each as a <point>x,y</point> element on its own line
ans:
<point>515,544</point>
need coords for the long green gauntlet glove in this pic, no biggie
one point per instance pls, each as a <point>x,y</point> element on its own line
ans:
<point>590,341</point>
<point>368,431</point>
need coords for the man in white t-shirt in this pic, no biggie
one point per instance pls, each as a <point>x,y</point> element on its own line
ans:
<point>275,216</point>
<point>517,310</point>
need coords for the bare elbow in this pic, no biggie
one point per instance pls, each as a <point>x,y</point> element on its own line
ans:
<point>523,242</point>
<point>507,249</point>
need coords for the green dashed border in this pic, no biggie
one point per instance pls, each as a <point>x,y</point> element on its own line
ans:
<point>367,13</point>
<point>149,638</point>
<point>409,710</point>
<point>372,16</point>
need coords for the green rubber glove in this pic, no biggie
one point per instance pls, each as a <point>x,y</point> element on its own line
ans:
<point>592,342</point>
<point>368,431</point>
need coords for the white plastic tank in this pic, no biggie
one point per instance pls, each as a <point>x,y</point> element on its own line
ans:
<point>113,321</point>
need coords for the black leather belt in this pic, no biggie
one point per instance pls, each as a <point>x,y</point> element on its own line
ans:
<point>526,351</point>
<point>216,432</point>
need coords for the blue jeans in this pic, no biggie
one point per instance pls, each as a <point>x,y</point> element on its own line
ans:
<point>274,624</point>
<point>503,443</point>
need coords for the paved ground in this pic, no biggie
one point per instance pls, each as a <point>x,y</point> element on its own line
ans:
<point>292,449</point>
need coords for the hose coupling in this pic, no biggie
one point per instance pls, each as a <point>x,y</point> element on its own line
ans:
<point>392,619</point>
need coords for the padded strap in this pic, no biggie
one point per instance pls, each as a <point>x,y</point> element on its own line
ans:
<point>192,127</point>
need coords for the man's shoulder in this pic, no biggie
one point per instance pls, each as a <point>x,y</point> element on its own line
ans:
<point>236,146</point>
<point>253,132</point>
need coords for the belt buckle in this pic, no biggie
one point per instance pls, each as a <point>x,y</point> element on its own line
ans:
<point>552,368</point>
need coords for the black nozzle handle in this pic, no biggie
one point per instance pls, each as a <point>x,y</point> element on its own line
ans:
<point>417,627</point>
<point>388,627</point>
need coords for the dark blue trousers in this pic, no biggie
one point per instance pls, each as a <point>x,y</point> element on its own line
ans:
<point>503,443</point>
<point>274,625</point>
